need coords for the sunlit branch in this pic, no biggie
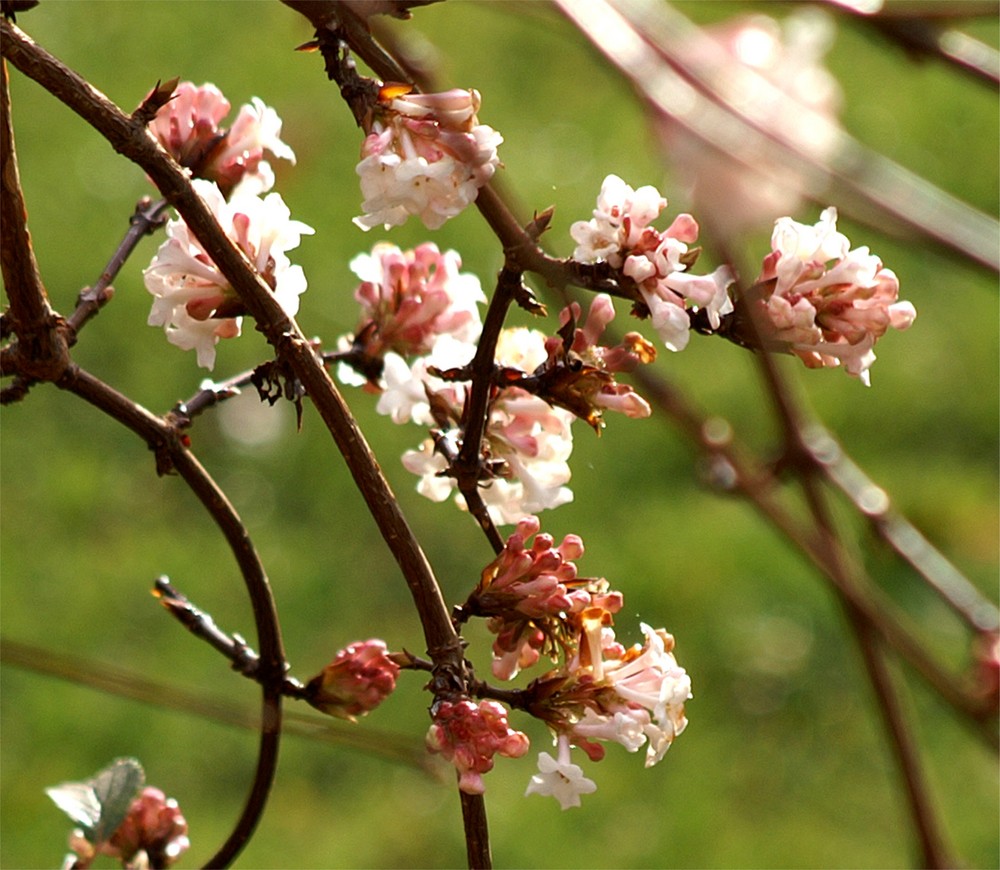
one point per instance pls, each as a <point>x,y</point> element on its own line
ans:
<point>652,45</point>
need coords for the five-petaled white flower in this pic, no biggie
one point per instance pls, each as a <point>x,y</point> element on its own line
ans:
<point>560,778</point>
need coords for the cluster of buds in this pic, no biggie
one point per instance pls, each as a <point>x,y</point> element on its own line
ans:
<point>360,677</point>
<point>469,735</point>
<point>533,599</point>
<point>425,155</point>
<point>152,834</point>
<point>825,302</point>
<point>194,302</point>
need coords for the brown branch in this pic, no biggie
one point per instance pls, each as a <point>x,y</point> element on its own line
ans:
<point>134,142</point>
<point>147,218</point>
<point>171,455</point>
<point>40,351</point>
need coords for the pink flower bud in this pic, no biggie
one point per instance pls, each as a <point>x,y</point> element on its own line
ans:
<point>469,735</point>
<point>360,677</point>
<point>154,825</point>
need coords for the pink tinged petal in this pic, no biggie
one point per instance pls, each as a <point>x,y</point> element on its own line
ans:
<point>684,228</point>
<point>902,315</point>
<point>670,321</point>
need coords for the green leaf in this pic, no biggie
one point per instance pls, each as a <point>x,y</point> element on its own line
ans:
<point>115,788</point>
<point>100,804</point>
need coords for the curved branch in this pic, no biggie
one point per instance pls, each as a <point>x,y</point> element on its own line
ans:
<point>172,455</point>
<point>131,139</point>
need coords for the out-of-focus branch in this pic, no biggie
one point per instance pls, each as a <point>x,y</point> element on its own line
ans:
<point>924,29</point>
<point>873,502</point>
<point>653,46</point>
<point>134,686</point>
<point>731,470</point>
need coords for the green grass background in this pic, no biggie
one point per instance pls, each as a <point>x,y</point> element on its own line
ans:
<point>784,763</point>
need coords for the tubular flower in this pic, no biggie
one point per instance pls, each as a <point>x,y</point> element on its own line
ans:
<point>194,302</point>
<point>411,298</point>
<point>533,597</point>
<point>360,677</point>
<point>620,234</point>
<point>829,304</point>
<point>188,129</point>
<point>629,696</point>
<point>469,735</point>
<point>425,155</point>
<point>560,778</point>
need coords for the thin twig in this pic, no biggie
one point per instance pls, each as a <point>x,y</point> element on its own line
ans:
<point>146,219</point>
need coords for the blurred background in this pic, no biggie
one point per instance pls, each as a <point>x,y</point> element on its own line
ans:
<point>784,763</point>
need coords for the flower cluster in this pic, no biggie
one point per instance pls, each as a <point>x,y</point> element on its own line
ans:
<point>188,129</point>
<point>657,261</point>
<point>194,302</point>
<point>469,735</point>
<point>826,302</point>
<point>360,677</point>
<point>823,301</point>
<point>534,600</point>
<point>535,604</point>
<point>152,834</point>
<point>425,155</point>
<point>408,300</point>
<point>414,341</point>
<point>527,441</point>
